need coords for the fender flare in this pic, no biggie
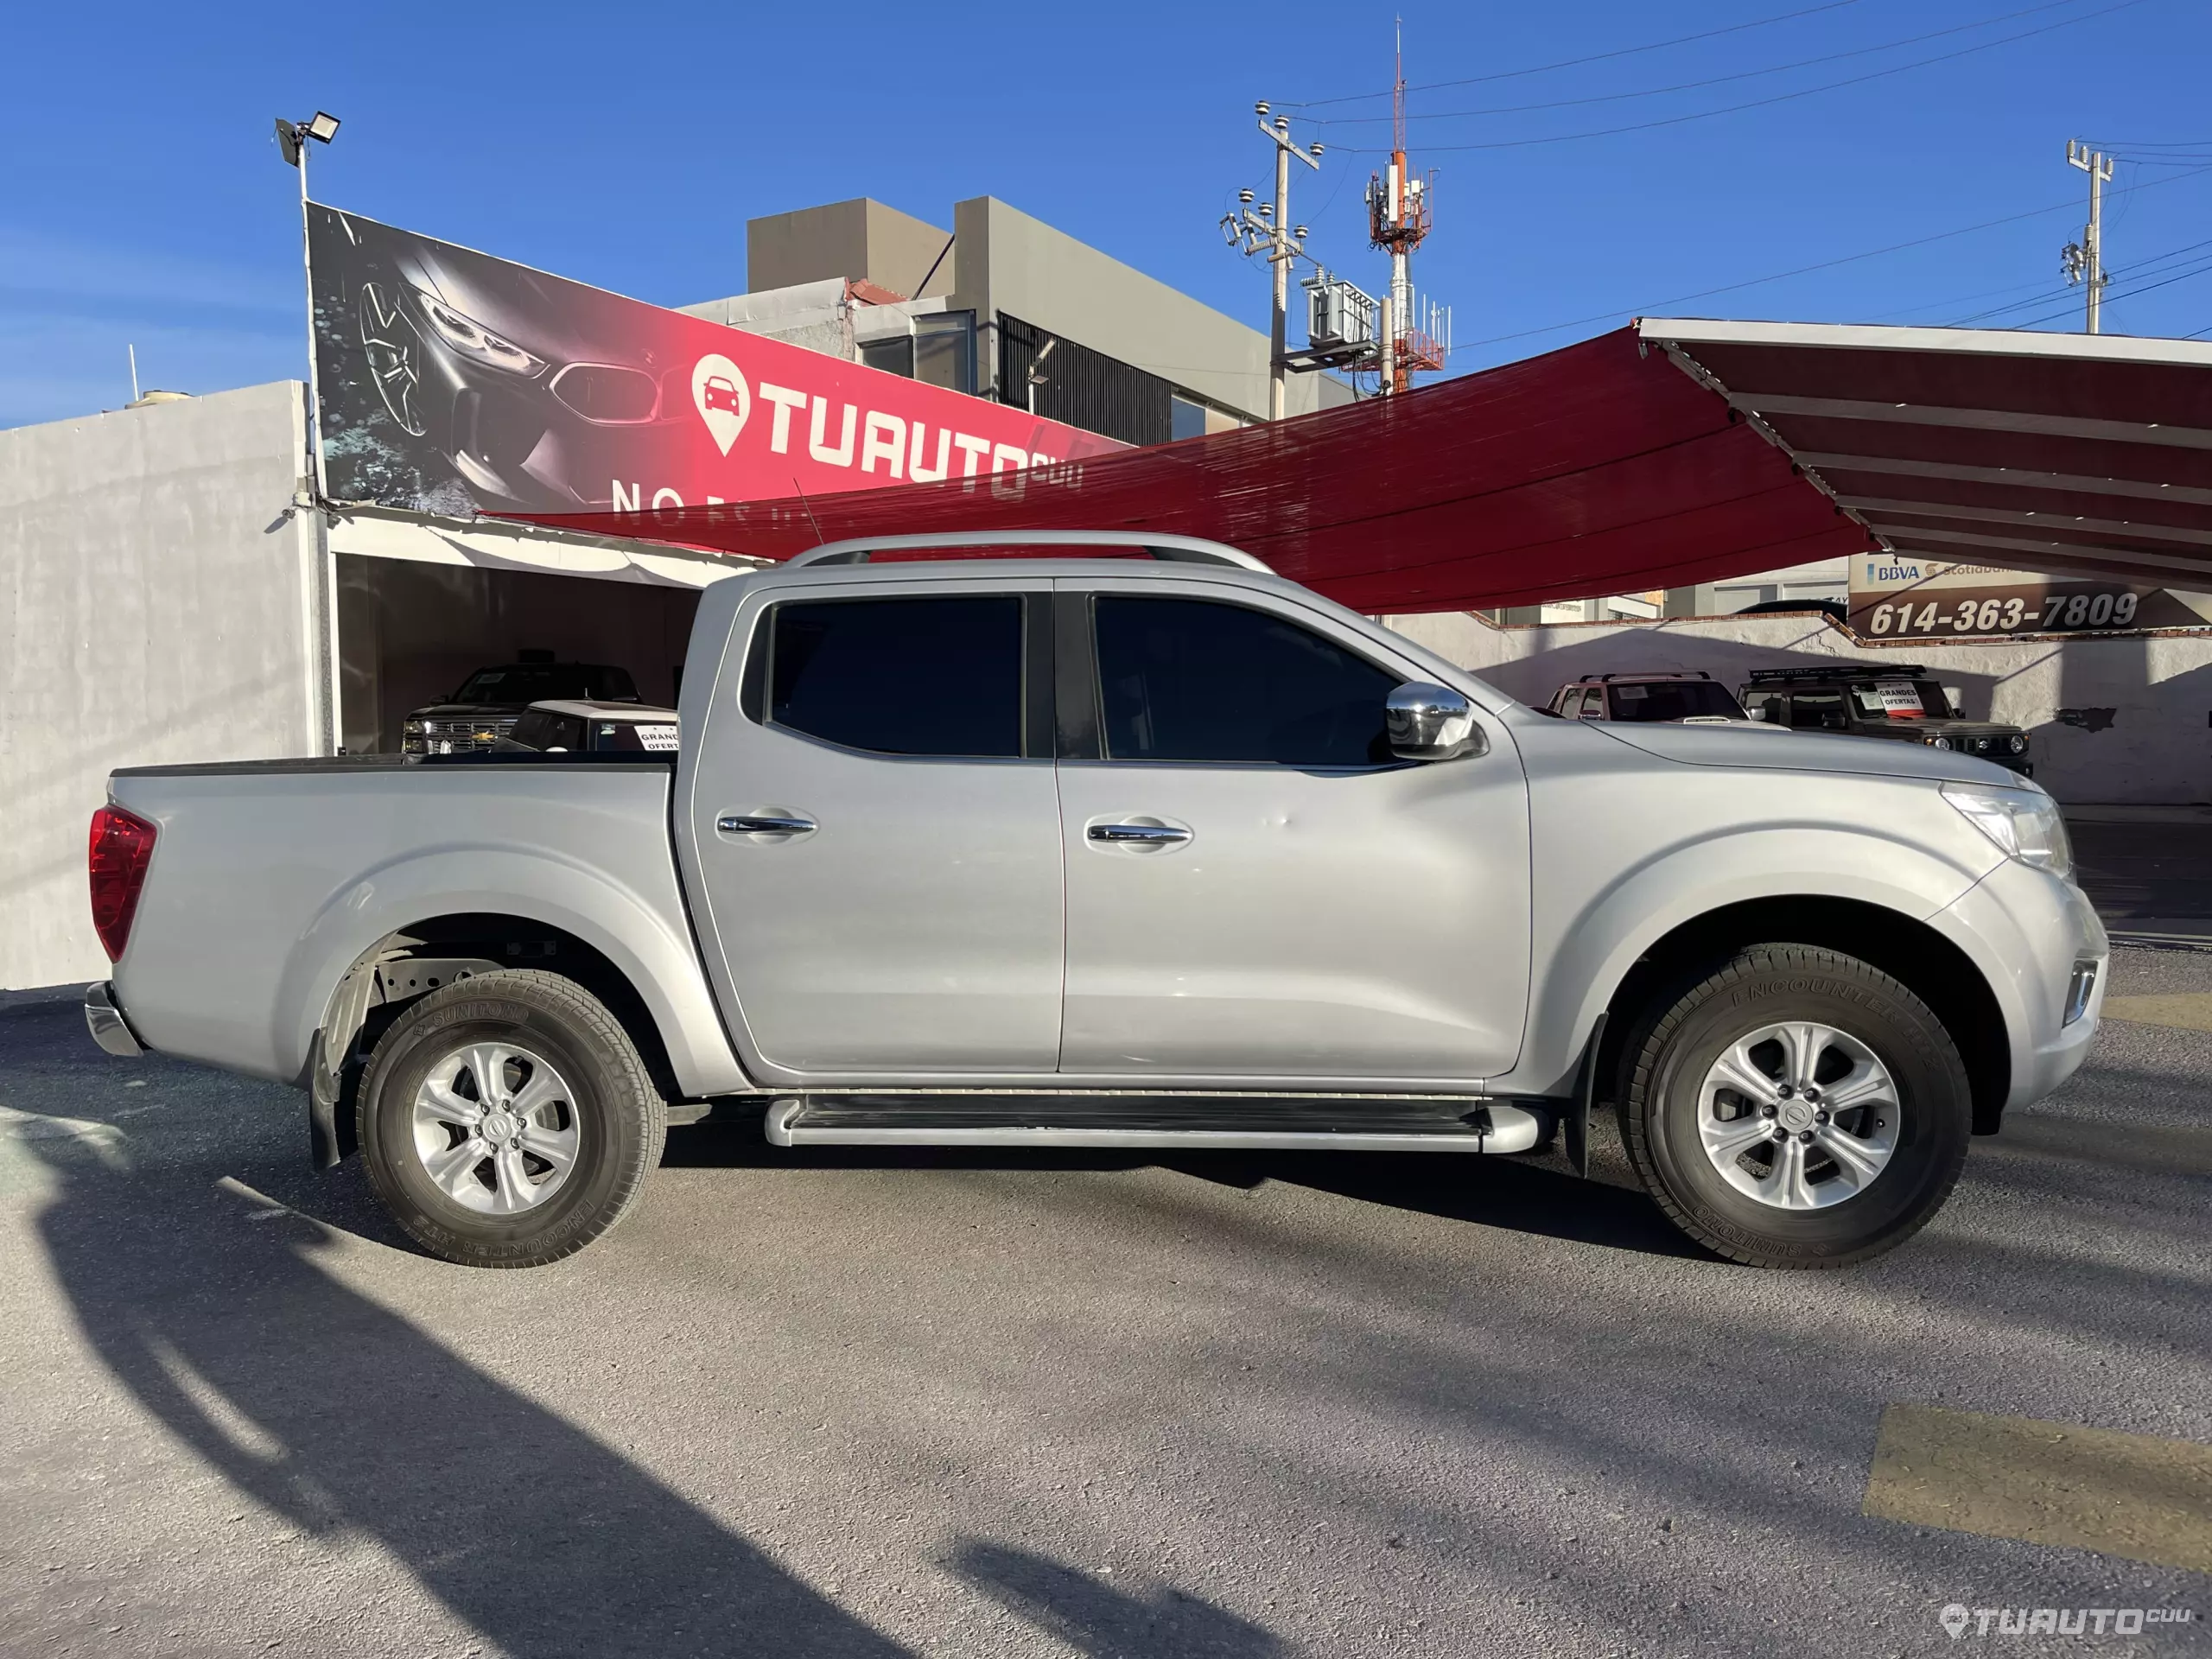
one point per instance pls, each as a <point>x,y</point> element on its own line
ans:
<point>659,959</point>
<point>1620,924</point>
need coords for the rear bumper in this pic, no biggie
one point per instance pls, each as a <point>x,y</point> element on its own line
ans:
<point>104,1017</point>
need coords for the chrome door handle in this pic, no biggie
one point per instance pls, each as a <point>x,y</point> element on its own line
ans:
<point>738,823</point>
<point>1138,832</point>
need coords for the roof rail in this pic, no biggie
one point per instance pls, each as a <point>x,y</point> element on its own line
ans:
<point>1841,671</point>
<point>1185,550</point>
<point>1646,674</point>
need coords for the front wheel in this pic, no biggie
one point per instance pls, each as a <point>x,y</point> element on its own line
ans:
<point>1797,1108</point>
<point>507,1120</point>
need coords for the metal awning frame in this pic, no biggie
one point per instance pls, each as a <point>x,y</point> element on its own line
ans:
<point>2085,544</point>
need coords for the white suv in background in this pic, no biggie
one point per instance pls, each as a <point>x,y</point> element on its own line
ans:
<point>1691,699</point>
<point>581,725</point>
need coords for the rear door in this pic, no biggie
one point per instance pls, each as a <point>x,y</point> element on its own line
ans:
<point>1255,888</point>
<point>877,829</point>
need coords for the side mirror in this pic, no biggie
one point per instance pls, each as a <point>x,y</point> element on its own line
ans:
<point>1756,711</point>
<point>1431,722</point>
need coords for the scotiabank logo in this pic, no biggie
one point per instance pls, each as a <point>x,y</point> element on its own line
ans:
<point>718,388</point>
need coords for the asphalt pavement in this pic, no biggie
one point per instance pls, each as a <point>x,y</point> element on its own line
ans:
<point>910,1403</point>
<point>2149,869</point>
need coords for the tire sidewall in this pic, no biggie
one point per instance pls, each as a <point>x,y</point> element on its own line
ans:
<point>1934,1112</point>
<point>610,1138</point>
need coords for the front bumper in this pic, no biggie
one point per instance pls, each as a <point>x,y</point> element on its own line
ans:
<point>2031,928</point>
<point>104,1017</point>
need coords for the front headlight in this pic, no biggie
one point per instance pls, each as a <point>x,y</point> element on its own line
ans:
<point>2024,823</point>
<point>2019,745</point>
<point>473,339</point>
<point>1939,742</point>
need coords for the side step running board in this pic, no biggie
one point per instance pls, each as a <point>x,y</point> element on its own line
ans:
<point>1372,1123</point>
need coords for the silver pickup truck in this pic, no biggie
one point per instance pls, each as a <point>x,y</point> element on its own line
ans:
<point>1100,852</point>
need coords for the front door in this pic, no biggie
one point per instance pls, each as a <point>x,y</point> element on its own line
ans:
<point>1255,887</point>
<point>877,832</point>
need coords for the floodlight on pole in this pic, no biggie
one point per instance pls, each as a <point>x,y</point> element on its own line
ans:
<point>1037,376</point>
<point>292,138</point>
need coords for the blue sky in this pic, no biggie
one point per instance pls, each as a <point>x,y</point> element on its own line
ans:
<point>144,201</point>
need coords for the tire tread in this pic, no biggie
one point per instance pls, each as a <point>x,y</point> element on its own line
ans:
<point>589,1017</point>
<point>1861,982</point>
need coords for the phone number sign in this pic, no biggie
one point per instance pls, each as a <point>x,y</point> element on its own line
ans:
<point>1896,597</point>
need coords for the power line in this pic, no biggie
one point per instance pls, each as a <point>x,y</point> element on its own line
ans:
<point>2138,269</point>
<point>1649,306</point>
<point>2130,294</point>
<point>1596,57</point>
<point>2040,286</point>
<point>1715,81</point>
<point>1779,98</point>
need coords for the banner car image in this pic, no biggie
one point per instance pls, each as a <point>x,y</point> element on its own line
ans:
<point>450,381</point>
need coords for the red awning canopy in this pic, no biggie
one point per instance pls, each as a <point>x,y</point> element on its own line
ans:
<point>1664,454</point>
<point>2076,455</point>
<point>1601,468</point>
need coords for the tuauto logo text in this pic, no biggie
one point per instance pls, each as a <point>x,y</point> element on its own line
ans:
<point>880,444</point>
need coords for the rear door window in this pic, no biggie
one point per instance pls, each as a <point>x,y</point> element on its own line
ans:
<point>936,677</point>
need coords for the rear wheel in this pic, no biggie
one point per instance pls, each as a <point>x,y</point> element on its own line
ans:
<point>1797,1108</point>
<point>507,1120</point>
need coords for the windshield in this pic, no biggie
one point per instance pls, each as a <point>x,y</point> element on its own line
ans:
<point>1674,700</point>
<point>522,683</point>
<point>1900,700</point>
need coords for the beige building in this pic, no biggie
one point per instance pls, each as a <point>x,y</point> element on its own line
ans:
<point>1005,307</point>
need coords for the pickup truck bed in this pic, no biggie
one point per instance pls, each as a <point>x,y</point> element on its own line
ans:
<point>306,855</point>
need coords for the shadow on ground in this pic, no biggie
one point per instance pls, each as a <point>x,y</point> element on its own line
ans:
<point>1105,1620</point>
<point>342,1418</point>
<point>1535,1196</point>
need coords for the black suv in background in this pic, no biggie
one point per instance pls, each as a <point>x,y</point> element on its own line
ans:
<point>1901,702</point>
<point>491,700</point>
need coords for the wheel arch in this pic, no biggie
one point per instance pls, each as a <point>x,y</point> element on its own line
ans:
<point>642,953</point>
<point>1910,951</point>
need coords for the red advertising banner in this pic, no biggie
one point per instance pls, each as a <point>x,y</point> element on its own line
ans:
<point>448,381</point>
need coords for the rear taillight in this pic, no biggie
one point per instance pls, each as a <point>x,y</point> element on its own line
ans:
<point>122,845</point>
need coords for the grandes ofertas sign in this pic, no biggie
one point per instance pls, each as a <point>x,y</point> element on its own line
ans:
<point>448,381</point>
<point>1897,596</point>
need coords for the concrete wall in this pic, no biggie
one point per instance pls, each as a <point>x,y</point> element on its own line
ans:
<point>858,239</point>
<point>2112,720</point>
<point>162,605</point>
<point>813,314</point>
<point>1006,261</point>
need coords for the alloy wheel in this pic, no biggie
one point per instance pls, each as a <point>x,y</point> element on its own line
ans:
<point>1799,1115</point>
<point>495,1128</point>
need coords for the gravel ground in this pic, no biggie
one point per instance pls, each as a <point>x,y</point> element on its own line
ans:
<point>907,1403</point>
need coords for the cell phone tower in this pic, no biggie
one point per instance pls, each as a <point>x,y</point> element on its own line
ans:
<point>1397,220</point>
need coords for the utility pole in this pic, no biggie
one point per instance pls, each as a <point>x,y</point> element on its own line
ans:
<point>1270,228</point>
<point>2083,262</point>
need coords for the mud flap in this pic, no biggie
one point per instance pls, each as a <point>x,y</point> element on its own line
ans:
<point>1574,1124</point>
<point>325,1150</point>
